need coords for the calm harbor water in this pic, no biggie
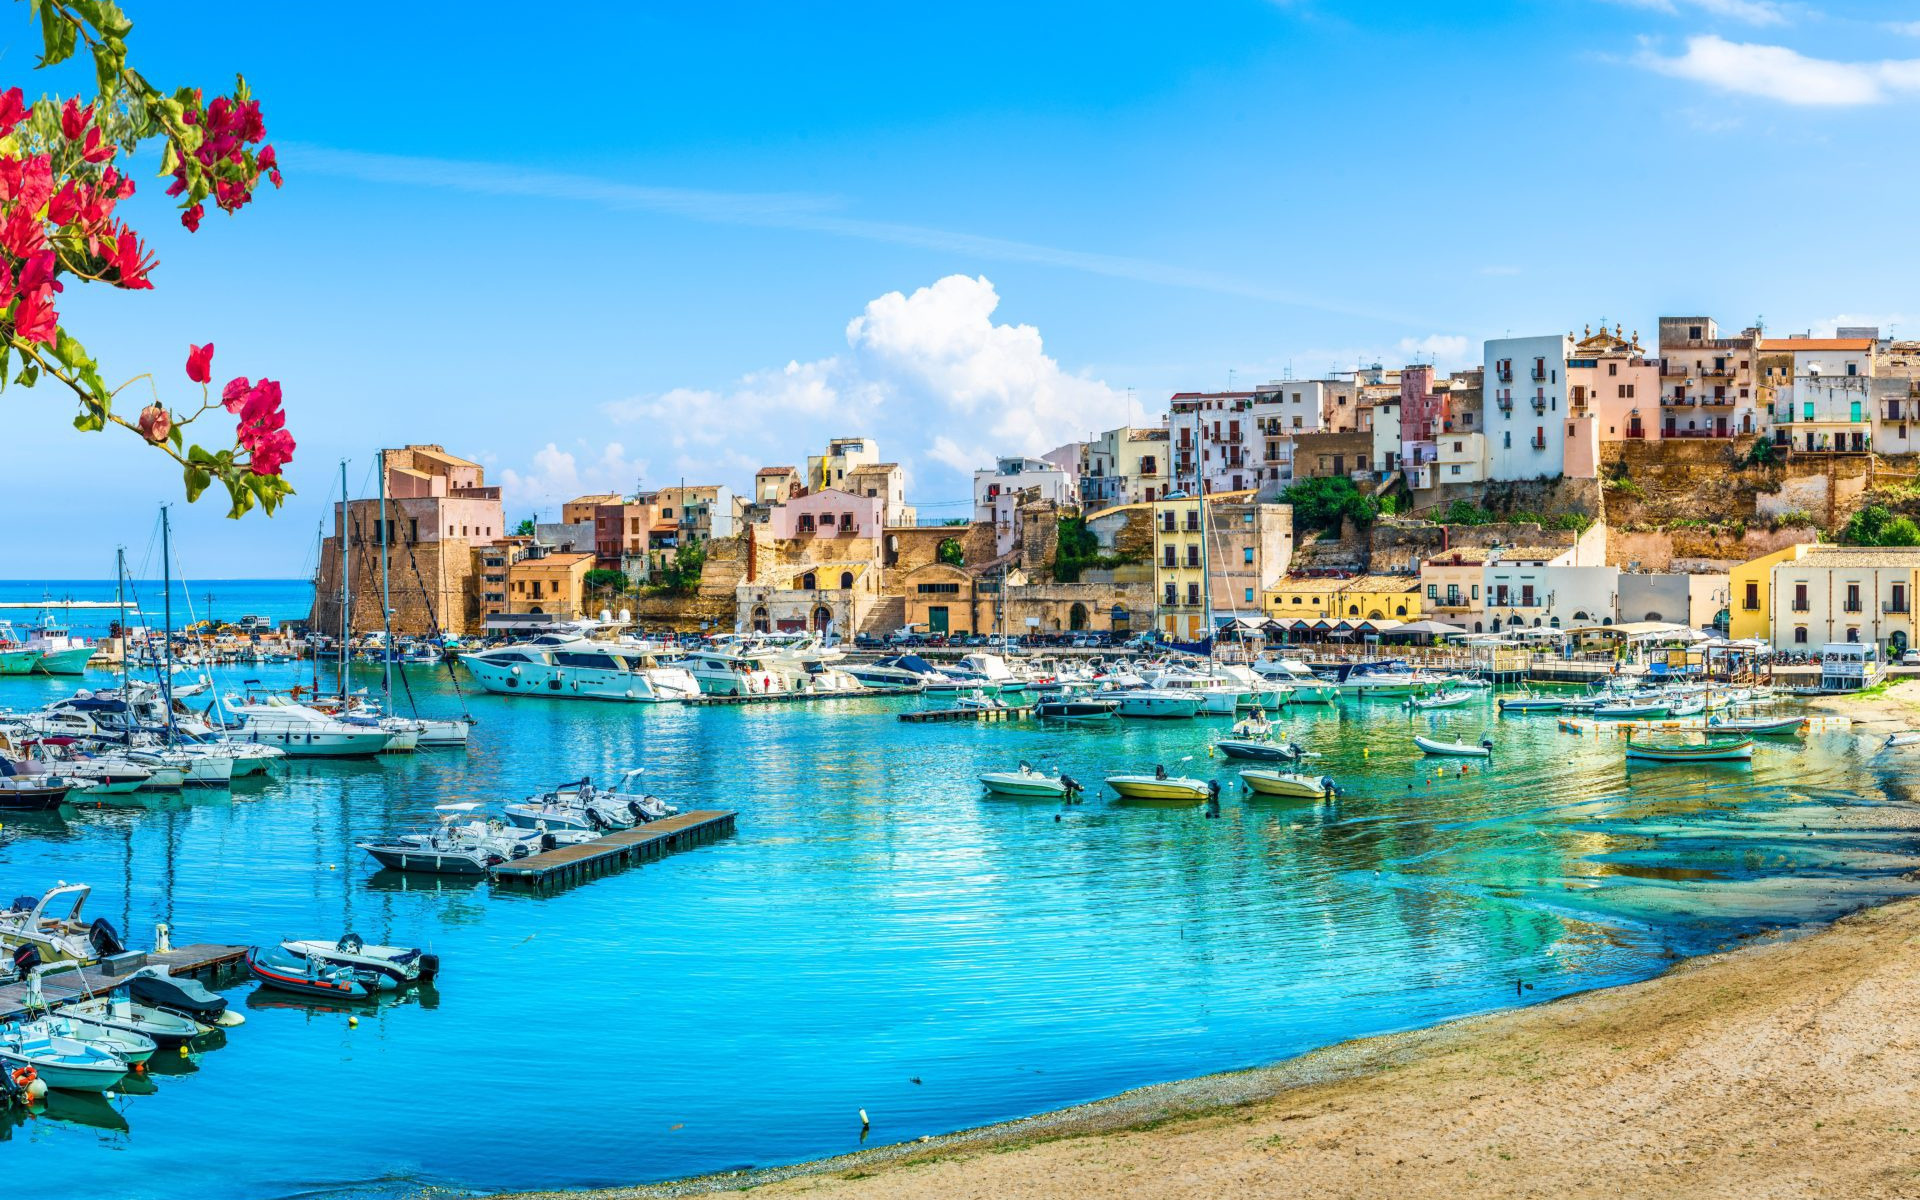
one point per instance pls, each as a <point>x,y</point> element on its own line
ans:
<point>877,935</point>
<point>193,599</point>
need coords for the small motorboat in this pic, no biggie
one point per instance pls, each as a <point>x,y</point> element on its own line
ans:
<point>1444,699</point>
<point>1688,708</point>
<point>381,966</point>
<point>1286,783</point>
<point>1526,704</point>
<point>1906,737</point>
<point>59,1061</point>
<point>54,925</point>
<point>1757,726</point>
<point>473,848</point>
<point>1076,708</point>
<point>304,976</point>
<point>1028,782</point>
<point>1624,709</point>
<point>1253,739</point>
<point>125,1045</point>
<point>160,988</point>
<point>119,1011</point>
<point>580,805</point>
<point>1164,787</point>
<point>1740,749</point>
<point>32,793</point>
<point>978,699</point>
<point>1455,749</point>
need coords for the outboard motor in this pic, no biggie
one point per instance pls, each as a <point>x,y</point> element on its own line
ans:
<point>1213,799</point>
<point>1486,744</point>
<point>104,938</point>
<point>1072,785</point>
<point>429,966</point>
<point>596,820</point>
<point>1160,771</point>
<point>25,959</point>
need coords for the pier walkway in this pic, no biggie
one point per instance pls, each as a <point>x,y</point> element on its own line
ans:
<point>206,963</point>
<point>624,847</point>
<point>1011,712</point>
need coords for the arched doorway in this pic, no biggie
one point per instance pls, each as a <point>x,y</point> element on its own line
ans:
<point>760,621</point>
<point>822,617</point>
<point>1496,624</point>
<point>1077,617</point>
<point>1897,643</point>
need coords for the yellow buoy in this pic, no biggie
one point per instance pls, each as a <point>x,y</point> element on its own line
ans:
<point>353,1022</point>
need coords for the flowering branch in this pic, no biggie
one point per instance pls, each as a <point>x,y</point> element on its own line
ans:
<point>58,190</point>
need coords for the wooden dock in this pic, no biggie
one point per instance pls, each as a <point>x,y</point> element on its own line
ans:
<point>643,843</point>
<point>1012,712</point>
<point>206,963</point>
<point>798,697</point>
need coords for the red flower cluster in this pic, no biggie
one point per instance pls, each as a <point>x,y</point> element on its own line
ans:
<point>262,424</point>
<point>230,126</point>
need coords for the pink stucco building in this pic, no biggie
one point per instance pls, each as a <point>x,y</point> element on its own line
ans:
<point>827,513</point>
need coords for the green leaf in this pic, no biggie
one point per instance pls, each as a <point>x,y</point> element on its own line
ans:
<point>169,159</point>
<point>175,436</point>
<point>197,481</point>
<point>58,35</point>
<point>242,499</point>
<point>197,455</point>
<point>29,374</point>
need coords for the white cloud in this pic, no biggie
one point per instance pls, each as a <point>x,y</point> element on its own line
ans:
<point>557,476</point>
<point>930,375</point>
<point>1752,12</point>
<point>1437,347</point>
<point>1779,73</point>
<point>1903,28</point>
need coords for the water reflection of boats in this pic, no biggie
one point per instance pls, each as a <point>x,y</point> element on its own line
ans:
<point>388,880</point>
<point>77,1108</point>
<point>269,999</point>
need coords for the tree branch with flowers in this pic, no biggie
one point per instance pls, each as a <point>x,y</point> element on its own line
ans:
<point>59,186</point>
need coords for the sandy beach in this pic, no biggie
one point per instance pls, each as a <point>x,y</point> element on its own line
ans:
<point>1788,1067</point>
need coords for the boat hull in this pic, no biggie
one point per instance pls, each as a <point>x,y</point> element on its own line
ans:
<point>1256,751</point>
<point>1029,788</point>
<point>71,661</point>
<point>1451,749</point>
<point>1284,785</point>
<point>432,862</point>
<point>1165,791</point>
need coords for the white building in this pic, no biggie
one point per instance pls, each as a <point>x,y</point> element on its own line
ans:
<point>1526,381</point>
<point>1822,392</point>
<point>1457,458</point>
<point>843,454</point>
<point>997,493</point>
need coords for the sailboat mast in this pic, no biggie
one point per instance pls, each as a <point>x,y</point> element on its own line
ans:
<point>1206,579</point>
<point>120,601</point>
<point>346,574</point>
<point>166,580</point>
<point>386,598</point>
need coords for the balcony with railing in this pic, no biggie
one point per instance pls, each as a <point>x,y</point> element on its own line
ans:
<point>1538,374</point>
<point>1716,372</point>
<point>1537,442</point>
<point>1718,399</point>
<point>1896,608</point>
<point>1672,370</point>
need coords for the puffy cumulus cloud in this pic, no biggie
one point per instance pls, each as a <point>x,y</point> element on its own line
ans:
<point>557,476</point>
<point>1783,74</point>
<point>1442,348</point>
<point>930,375</point>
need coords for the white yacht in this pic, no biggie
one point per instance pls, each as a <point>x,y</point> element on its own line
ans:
<point>1304,687</point>
<point>1216,696</point>
<point>304,732</point>
<point>895,671</point>
<point>1152,702</point>
<point>738,673</point>
<point>568,666</point>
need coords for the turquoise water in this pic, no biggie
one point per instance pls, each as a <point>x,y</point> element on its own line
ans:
<point>276,599</point>
<point>879,936</point>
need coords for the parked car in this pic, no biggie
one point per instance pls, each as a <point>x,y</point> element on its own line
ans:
<point>1910,659</point>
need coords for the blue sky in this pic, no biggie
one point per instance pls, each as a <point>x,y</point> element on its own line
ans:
<point>689,240</point>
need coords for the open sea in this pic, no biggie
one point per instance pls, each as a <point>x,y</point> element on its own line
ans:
<point>878,935</point>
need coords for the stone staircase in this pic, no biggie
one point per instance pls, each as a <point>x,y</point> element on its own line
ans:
<point>887,615</point>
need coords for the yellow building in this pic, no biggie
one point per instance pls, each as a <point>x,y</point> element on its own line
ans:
<point>1361,598</point>
<point>1750,593</point>
<point>1180,609</point>
<point>555,583</point>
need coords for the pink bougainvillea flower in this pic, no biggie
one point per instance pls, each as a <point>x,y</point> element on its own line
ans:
<point>95,150</point>
<point>191,218</point>
<point>126,255</point>
<point>66,203</point>
<point>35,319</point>
<point>234,395</point>
<point>271,453</point>
<point>200,363</point>
<point>37,272</point>
<point>155,423</point>
<point>13,110</point>
<point>74,120</point>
